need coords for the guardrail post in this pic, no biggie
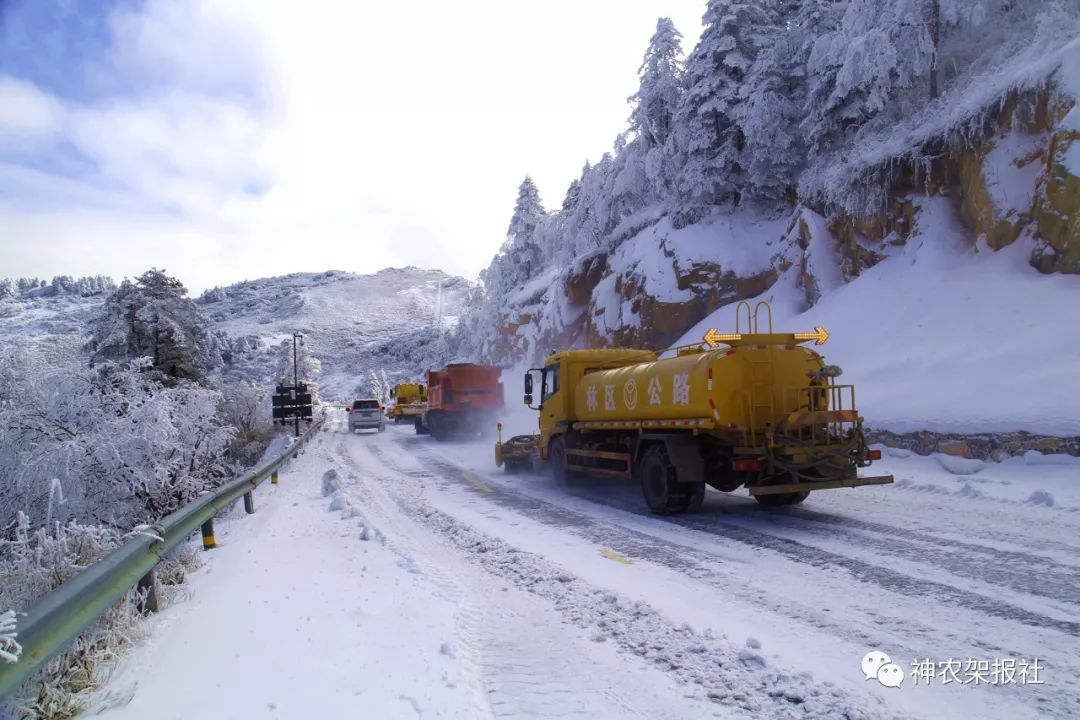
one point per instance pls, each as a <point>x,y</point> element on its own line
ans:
<point>208,535</point>
<point>273,478</point>
<point>148,597</point>
<point>249,502</point>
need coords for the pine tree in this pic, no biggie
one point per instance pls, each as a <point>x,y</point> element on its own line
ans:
<point>521,248</point>
<point>878,62</point>
<point>775,152</point>
<point>152,318</point>
<point>709,137</point>
<point>528,212</point>
<point>660,88</point>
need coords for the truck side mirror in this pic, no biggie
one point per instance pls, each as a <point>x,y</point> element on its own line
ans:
<point>528,398</point>
<point>528,386</point>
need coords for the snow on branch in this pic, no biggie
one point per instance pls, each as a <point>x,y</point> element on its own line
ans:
<point>10,650</point>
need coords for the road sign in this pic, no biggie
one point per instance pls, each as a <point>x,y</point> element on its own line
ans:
<point>819,336</point>
<point>291,403</point>
<point>714,339</point>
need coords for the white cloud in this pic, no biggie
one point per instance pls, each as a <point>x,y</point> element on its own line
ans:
<point>382,134</point>
<point>27,113</point>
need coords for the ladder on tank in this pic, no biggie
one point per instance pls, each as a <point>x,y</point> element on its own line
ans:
<point>761,400</point>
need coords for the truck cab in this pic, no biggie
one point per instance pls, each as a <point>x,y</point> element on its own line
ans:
<point>561,373</point>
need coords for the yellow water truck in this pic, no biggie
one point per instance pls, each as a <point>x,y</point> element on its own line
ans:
<point>410,400</point>
<point>754,409</point>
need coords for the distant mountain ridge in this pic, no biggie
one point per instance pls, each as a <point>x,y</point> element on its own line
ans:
<point>353,324</point>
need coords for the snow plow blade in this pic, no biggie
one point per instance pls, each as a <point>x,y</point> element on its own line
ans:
<point>823,485</point>
<point>518,449</point>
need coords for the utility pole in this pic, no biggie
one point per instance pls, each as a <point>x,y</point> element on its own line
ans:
<point>296,377</point>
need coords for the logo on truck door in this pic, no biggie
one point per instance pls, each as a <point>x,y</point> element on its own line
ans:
<point>629,393</point>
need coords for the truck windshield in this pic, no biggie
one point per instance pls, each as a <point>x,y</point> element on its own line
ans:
<point>550,383</point>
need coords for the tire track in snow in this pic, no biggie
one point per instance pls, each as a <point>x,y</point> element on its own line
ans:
<point>507,658</point>
<point>738,680</point>
<point>688,560</point>
<point>467,617</point>
<point>887,578</point>
<point>1021,571</point>
<point>694,560</point>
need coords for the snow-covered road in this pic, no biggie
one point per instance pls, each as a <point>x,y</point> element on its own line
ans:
<point>478,594</point>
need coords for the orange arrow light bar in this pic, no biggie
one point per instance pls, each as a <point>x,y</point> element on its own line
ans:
<point>714,338</point>
<point>819,336</point>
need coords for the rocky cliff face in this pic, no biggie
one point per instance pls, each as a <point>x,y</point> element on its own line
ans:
<point>1020,180</point>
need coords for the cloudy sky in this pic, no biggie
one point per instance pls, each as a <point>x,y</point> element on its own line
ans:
<point>226,140</point>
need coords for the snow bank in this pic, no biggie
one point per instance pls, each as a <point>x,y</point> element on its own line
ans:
<point>331,482</point>
<point>1051,481</point>
<point>739,241</point>
<point>944,338</point>
<point>960,465</point>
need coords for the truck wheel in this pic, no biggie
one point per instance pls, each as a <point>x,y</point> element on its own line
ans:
<point>777,500</point>
<point>437,427</point>
<point>557,458</point>
<point>782,499</point>
<point>695,497</point>
<point>419,426</point>
<point>660,483</point>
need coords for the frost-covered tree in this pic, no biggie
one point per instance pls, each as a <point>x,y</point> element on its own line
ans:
<point>109,444</point>
<point>62,285</point>
<point>528,212</point>
<point>709,138</point>
<point>152,317</point>
<point>660,87</point>
<point>773,107</point>
<point>880,57</point>
<point>381,387</point>
<point>521,248</point>
<point>214,294</point>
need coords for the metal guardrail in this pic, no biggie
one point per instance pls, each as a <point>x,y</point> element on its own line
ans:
<point>59,617</point>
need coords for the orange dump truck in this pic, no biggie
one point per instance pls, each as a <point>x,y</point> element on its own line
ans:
<point>463,399</point>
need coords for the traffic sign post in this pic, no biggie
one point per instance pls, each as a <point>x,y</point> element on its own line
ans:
<point>291,402</point>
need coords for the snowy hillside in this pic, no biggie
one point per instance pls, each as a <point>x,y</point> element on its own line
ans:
<point>352,324</point>
<point>939,337</point>
<point>904,174</point>
<point>44,319</point>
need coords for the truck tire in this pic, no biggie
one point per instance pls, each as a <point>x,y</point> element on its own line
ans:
<point>437,427</point>
<point>419,426</point>
<point>782,499</point>
<point>696,497</point>
<point>778,500</point>
<point>557,458</point>
<point>660,484</point>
